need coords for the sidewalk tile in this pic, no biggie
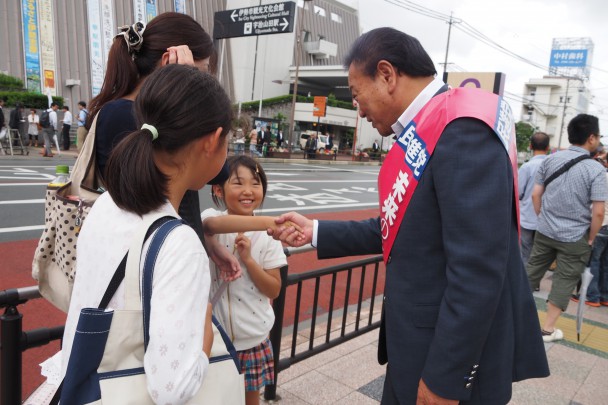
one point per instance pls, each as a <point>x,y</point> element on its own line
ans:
<point>356,398</point>
<point>355,369</point>
<point>316,388</point>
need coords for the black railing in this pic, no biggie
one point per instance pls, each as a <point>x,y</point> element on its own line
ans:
<point>14,341</point>
<point>360,327</point>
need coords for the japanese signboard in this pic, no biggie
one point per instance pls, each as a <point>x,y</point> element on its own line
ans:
<point>29,15</point>
<point>568,58</point>
<point>489,81</point>
<point>319,106</point>
<point>47,45</point>
<point>277,18</point>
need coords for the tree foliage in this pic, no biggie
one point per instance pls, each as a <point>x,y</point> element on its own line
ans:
<point>523,133</point>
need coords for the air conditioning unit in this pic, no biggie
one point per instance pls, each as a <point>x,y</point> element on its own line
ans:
<point>72,82</point>
<point>321,49</point>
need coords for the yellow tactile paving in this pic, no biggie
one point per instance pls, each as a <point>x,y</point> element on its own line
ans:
<point>593,337</point>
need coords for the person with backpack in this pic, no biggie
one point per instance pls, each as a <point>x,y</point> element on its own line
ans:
<point>48,123</point>
<point>81,132</point>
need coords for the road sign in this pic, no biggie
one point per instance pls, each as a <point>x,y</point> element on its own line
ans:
<point>319,104</point>
<point>276,18</point>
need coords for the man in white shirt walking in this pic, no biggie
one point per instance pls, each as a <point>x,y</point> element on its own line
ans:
<point>67,124</point>
<point>49,129</point>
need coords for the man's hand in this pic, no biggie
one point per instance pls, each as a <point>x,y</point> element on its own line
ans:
<point>293,229</point>
<point>227,264</point>
<point>427,397</point>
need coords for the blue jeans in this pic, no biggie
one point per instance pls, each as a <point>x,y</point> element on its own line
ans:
<point>598,288</point>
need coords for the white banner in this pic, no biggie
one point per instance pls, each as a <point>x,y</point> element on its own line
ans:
<point>95,45</point>
<point>139,10</point>
<point>47,46</point>
<point>108,28</point>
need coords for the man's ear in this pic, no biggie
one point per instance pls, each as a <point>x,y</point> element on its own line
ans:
<point>387,73</point>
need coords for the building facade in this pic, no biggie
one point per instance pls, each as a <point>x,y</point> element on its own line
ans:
<point>551,102</point>
<point>60,47</point>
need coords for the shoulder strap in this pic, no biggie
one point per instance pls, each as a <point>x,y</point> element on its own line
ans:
<point>565,168</point>
<point>119,274</point>
<point>151,256</point>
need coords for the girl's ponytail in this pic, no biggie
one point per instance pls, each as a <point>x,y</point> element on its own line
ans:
<point>131,176</point>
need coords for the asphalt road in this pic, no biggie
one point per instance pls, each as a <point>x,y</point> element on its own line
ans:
<point>306,188</point>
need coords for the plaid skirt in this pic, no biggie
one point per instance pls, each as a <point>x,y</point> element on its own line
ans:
<point>257,364</point>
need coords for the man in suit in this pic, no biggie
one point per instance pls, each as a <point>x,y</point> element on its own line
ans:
<point>459,322</point>
<point>376,150</point>
<point>280,138</point>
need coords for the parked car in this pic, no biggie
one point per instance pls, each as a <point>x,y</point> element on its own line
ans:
<point>322,140</point>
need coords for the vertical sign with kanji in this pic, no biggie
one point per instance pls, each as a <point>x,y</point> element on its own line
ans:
<point>29,17</point>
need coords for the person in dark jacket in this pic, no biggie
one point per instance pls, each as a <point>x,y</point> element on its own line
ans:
<point>459,321</point>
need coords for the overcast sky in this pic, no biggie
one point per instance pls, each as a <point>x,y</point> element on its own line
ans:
<point>525,27</point>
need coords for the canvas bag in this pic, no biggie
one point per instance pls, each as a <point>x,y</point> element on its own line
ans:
<point>106,362</point>
<point>65,209</point>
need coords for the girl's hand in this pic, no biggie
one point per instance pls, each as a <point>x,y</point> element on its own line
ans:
<point>227,264</point>
<point>208,333</point>
<point>243,245</point>
<point>181,55</point>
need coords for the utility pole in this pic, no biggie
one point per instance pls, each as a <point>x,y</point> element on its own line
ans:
<point>561,129</point>
<point>447,47</point>
<point>255,62</point>
<point>292,121</point>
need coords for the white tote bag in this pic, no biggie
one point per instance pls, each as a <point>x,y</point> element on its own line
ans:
<point>106,362</point>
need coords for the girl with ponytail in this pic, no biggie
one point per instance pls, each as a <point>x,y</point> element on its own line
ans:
<point>183,116</point>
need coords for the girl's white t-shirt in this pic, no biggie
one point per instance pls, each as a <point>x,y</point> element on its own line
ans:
<point>242,309</point>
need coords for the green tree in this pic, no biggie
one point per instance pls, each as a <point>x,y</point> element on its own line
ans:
<point>523,133</point>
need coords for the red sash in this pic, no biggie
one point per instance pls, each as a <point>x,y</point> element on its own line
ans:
<point>409,156</point>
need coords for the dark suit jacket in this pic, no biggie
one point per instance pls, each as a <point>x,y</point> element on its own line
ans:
<point>457,299</point>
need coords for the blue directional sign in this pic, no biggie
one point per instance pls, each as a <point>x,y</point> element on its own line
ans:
<point>568,58</point>
<point>276,18</point>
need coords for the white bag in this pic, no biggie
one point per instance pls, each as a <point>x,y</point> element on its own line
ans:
<point>106,362</point>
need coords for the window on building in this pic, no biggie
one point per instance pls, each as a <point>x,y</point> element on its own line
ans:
<point>336,17</point>
<point>302,3</point>
<point>319,11</point>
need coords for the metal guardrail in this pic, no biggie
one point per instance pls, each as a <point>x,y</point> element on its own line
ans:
<point>297,280</point>
<point>14,341</point>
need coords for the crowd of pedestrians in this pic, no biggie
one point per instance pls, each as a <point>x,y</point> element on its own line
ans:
<point>563,218</point>
<point>44,129</point>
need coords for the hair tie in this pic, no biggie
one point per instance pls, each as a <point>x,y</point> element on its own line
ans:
<point>133,35</point>
<point>152,130</point>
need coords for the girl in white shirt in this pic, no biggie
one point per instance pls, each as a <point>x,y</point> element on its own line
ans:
<point>244,306</point>
<point>184,116</point>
